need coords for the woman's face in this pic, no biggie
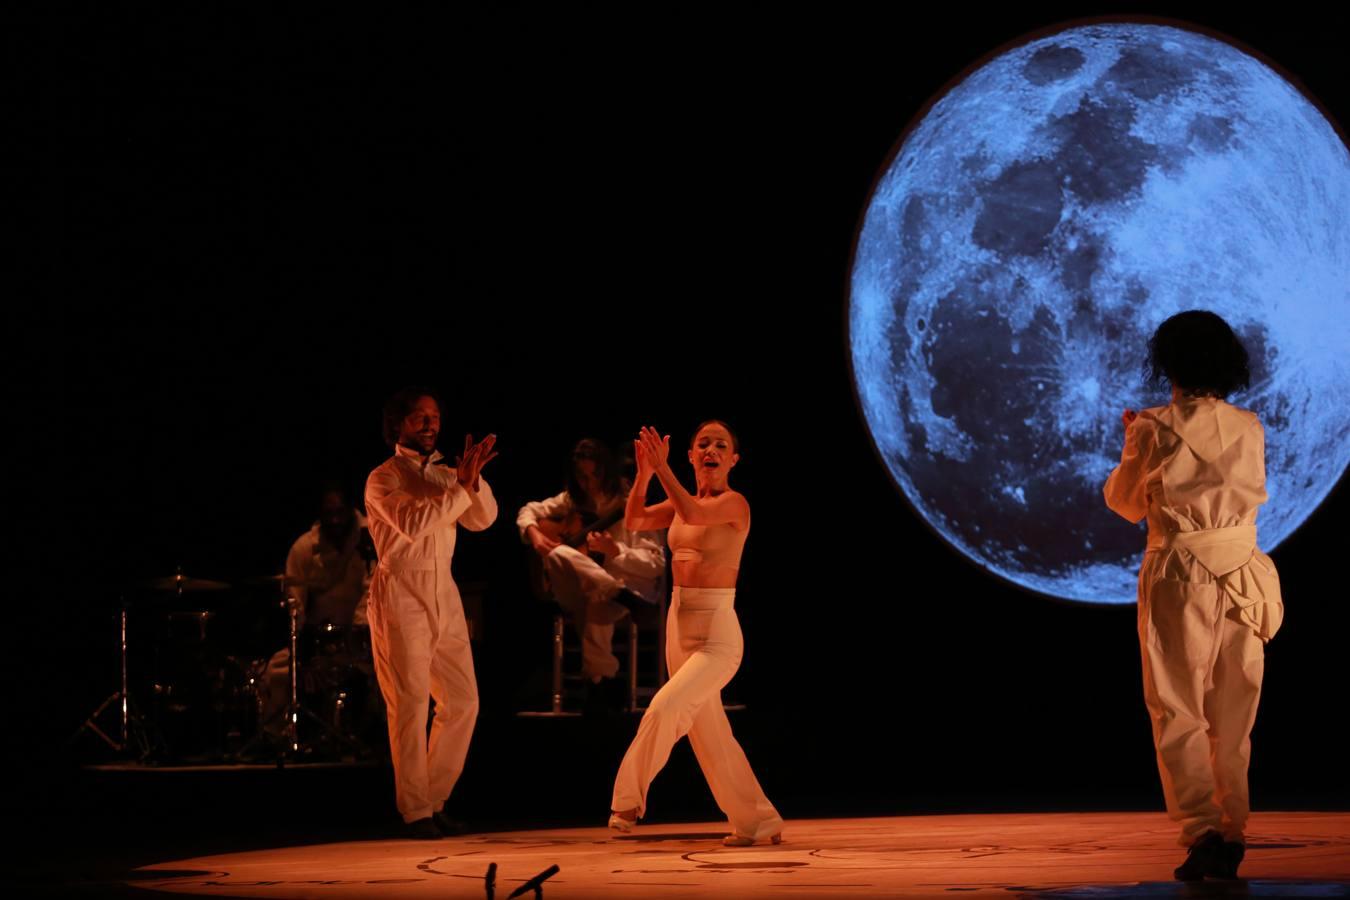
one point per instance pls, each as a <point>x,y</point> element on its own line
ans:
<point>712,454</point>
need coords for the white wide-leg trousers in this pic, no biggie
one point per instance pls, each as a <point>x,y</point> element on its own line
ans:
<point>703,651</point>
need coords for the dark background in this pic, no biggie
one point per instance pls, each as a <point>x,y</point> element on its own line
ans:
<point>251,230</point>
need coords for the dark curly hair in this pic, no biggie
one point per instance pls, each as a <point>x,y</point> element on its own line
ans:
<point>397,407</point>
<point>1198,352</point>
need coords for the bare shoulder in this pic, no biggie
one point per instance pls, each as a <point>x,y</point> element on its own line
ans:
<point>736,501</point>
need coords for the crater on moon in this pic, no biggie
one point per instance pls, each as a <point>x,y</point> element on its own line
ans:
<point>1032,231</point>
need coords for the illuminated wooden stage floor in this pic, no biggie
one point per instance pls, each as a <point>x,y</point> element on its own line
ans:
<point>1027,855</point>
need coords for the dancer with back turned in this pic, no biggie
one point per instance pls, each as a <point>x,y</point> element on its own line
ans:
<point>1208,598</point>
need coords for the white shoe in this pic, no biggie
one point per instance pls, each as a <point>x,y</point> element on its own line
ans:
<point>736,840</point>
<point>619,823</point>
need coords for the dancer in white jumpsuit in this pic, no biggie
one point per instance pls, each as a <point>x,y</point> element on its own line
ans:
<point>414,504</point>
<point>1208,598</point>
<point>703,637</point>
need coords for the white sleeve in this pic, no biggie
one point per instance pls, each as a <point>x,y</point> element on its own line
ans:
<point>413,516</point>
<point>532,512</point>
<point>482,511</point>
<point>1125,490</point>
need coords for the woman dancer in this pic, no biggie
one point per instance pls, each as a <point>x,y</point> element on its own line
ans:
<point>703,636</point>
<point>1208,598</point>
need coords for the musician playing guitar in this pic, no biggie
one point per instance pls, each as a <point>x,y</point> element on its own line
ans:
<point>594,567</point>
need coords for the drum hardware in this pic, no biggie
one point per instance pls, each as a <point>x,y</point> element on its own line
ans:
<point>196,621</point>
<point>198,685</point>
<point>180,584</point>
<point>139,729</point>
<point>132,730</point>
<point>131,727</point>
<point>293,747</point>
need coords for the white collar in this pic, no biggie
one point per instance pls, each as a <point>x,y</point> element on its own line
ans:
<point>414,456</point>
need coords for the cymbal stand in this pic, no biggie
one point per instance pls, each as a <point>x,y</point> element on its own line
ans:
<point>130,724</point>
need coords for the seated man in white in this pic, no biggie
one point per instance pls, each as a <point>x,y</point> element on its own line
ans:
<point>595,568</point>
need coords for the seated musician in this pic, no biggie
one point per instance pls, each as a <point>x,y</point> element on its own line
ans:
<point>595,568</point>
<point>328,575</point>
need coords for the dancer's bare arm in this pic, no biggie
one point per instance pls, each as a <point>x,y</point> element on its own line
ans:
<point>638,516</point>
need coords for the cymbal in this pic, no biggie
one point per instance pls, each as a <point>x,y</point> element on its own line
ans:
<point>183,583</point>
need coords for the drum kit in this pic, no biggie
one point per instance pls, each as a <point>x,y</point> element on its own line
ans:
<point>214,672</point>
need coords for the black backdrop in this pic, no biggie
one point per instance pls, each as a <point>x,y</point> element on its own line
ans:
<point>254,229</point>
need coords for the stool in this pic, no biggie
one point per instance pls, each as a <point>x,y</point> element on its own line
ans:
<point>632,633</point>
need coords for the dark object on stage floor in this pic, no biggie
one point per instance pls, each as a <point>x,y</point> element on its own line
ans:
<point>1204,858</point>
<point>448,826</point>
<point>422,830</point>
<point>490,881</point>
<point>535,884</point>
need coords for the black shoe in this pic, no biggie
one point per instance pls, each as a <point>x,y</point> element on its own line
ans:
<point>1203,858</point>
<point>606,697</point>
<point>1227,860</point>
<point>422,830</point>
<point>449,826</point>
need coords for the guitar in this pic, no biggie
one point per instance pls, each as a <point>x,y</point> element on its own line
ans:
<point>571,530</point>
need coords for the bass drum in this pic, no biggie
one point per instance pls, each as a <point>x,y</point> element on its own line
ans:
<point>203,703</point>
<point>190,667</point>
<point>337,682</point>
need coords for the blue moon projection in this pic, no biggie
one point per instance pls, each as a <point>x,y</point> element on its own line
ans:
<point>1035,227</point>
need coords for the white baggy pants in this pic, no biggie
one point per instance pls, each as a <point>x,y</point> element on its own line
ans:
<point>703,651</point>
<point>421,646</point>
<point>1202,665</point>
<point>582,588</point>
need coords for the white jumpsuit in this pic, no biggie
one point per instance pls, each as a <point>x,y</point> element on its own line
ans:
<point>581,586</point>
<point>1208,600</point>
<point>417,629</point>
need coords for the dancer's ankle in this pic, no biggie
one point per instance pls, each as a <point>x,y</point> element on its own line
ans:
<point>628,814</point>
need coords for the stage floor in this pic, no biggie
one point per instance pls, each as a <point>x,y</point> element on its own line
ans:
<point>1029,855</point>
